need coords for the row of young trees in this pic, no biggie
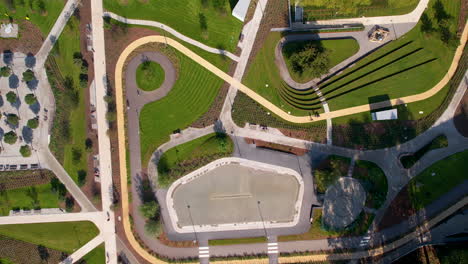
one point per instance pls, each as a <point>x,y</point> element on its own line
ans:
<point>33,5</point>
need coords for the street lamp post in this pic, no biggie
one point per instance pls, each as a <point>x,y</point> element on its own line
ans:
<point>261,217</point>
<point>191,221</point>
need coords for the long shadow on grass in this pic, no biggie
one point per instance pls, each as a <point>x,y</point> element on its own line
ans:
<point>363,66</point>
<point>373,71</point>
<point>381,79</point>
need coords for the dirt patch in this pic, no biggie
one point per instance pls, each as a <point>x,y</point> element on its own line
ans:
<point>399,210</point>
<point>21,252</point>
<point>179,244</point>
<point>29,41</point>
<point>461,116</point>
<point>17,179</point>
<point>462,17</point>
<point>278,147</point>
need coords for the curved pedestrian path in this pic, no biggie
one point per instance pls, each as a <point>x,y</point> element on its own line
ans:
<point>173,32</point>
<point>278,111</point>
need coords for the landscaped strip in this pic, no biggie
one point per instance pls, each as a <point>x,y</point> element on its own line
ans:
<point>438,179</point>
<point>187,157</point>
<point>409,160</point>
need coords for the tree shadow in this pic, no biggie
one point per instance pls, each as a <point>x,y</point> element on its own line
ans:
<point>13,81</point>
<point>30,60</point>
<point>33,84</point>
<point>17,103</point>
<point>36,107</point>
<point>7,57</point>
<point>232,4</point>
<point>1,100</point>
<point>27,133</point>
<point>143,185</point>
<point>2,133</point>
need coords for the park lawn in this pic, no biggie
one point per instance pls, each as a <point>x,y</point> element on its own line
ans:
<point>236,241</point>
<point>63,236</point>
<point>192,95</point>
<point>338,50</point>
<point>329,170</point>
<point>408,161</point>
<point>315,10</point>
<point>96,256</point>
<point>218,60</point>
<point>222,30</point>
<point>45,21</point>
<point>6,261</point>
<point>192,155</point>
<point>374,182</point>
<point>412,81</point>
<point>69,43</point>
<point>23,198</point>
<point>263,71</point>
<point>449,172</point>
<point>318,231</point>
<point>149,76</point>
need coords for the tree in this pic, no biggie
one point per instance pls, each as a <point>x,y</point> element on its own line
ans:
<point>11,97</point>
<point>153,227</point>
<point>5,71</point>
<point>33,123</point>
<point>10,137</point>
<point>149,209</point>
<point>88,143</point>
<point>76,155</point>
<point>29,76</point>
<point>69,204</point>
<point>81,177</point>
<point>202,21</point>
<point>25,151</point>
<point>30,99</point>
<point>13,119</point>
<point>312,58</point>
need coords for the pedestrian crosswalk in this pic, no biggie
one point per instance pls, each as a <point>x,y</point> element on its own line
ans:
<point>273,248</point>
<point>203,252</point>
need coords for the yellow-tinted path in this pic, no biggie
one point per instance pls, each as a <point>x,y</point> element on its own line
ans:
<point>296,119</point>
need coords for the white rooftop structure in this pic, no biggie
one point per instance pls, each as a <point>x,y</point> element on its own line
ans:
<point>240,10</point>
<point>385,115</point>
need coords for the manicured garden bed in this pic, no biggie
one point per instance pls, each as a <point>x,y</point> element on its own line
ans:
<point>149,76</point>
<point>438,179</point>
<point>209,22</point>
<point>192,155</point>
<point>192,95</point>
<point>329,170</point>
<point>39,196</point>
<point>66,236</point>
<point>318,231</point>
<point>374,182</point>
<point>235,241</point>
<point>409,160</point>
<point>336,51</point>
<point>66,72</point>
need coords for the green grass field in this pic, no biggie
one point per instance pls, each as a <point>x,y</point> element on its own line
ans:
<point>6,261</point>
<point>43,19</point>
<point>149,76</point>
<point>191,96</point>
<point>338,50</point>
<point>190,18</point>
<point>374,182</point>
<point>438,142</point>
<point>236,241</point>
<point>415,62</point>
<point>67,45</point>
<point>25,198</point>
<point>96,256</point>
<point>263,71</point>
<point>194,154</point>
<point>449,172</point>
<point>66,236</point>
<point>317,9</point>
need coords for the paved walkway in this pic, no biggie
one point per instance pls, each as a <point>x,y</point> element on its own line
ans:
<point>172,31</point>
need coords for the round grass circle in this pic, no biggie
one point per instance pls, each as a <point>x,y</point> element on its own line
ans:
<point>149,76</point>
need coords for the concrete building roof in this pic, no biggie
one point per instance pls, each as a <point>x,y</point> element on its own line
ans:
<point>385,115</point>
<point>240,10</point>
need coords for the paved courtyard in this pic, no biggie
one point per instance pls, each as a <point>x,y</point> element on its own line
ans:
<point>19,63</point>
<point>229,194</point>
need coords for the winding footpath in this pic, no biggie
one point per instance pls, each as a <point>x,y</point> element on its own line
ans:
<point>172,31</point>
